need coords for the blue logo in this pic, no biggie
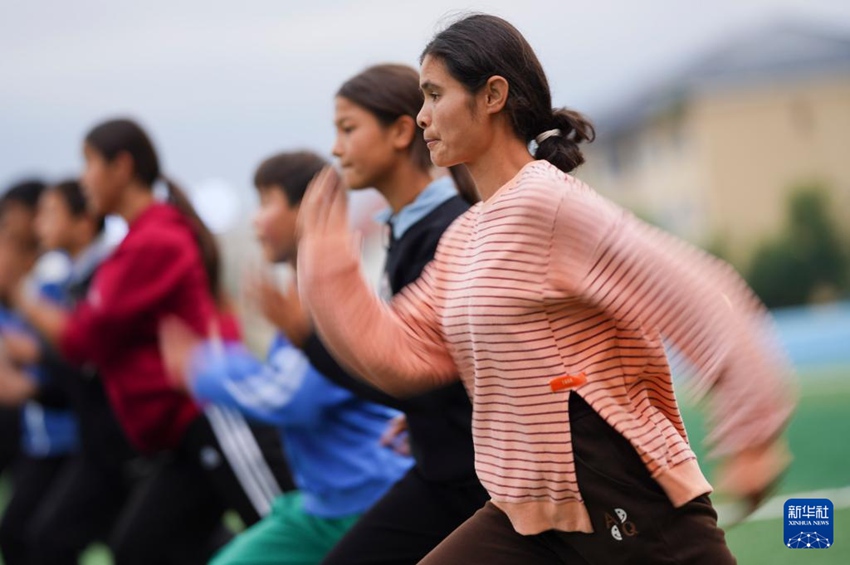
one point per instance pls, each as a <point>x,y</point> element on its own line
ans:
<point>809,523</point>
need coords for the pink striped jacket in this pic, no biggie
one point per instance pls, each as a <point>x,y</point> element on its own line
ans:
<point>546,281</point>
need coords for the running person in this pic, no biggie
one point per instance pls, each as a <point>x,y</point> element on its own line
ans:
<point>551,303</point>
<point>332,437</point>
<point>91,488</point>
<point>167,265</point>
<point>379,145</point>
<point>10,417</point>
<point>49,428</point>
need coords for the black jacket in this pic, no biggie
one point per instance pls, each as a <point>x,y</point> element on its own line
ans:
<point>101,436</point>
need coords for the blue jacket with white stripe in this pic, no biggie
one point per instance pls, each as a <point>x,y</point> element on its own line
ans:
<point>331,437</point>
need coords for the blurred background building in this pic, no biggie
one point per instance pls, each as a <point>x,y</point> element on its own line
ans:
<point>742,150</point>
<point>715,151</point>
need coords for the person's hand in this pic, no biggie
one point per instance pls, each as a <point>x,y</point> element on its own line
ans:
<point>396,436</point>
<point>177,341</point>
<point>21,348</point>
<point>751,475</point>
<point>324,209</point>
<point>282,308</point>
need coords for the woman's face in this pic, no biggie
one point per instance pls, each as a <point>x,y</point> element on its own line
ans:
<point>17,245</point>
<point>103,182</point>
<point>456,129</point>
<point>11,265</point>
<point>54,223</point>
<point>364,147</point>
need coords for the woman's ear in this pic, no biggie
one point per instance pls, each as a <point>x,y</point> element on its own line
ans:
<point>123,166</point>
<point>403,131</point>
<point>495,94</point>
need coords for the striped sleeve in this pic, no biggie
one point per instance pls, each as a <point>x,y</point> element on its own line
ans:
<point>655,283</point>
<point>399,348</point>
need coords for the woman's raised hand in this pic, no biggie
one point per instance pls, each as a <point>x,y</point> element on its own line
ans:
<point>324,210</point>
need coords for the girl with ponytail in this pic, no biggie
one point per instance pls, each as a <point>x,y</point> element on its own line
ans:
<point>166,266</point>
<point>379,145</point>
<point>551,302</point>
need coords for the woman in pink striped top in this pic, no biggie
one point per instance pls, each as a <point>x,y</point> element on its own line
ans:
<point>551,303</point>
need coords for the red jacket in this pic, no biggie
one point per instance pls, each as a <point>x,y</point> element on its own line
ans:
<point>156,271</point>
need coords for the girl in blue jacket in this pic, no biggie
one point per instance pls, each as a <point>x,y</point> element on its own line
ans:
<point>332,438</point>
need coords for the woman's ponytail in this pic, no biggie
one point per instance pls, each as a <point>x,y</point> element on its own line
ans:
<point>560,144</point>
<point>206,240</point>
<point>122,135</point>
<point>480,46</point>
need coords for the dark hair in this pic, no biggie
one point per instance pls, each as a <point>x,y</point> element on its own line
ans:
<point>480,46</point>
<point>390,91</point>
<point>72,195</point>
<point>25,193</point>
<point>113,137</point>
<point>290,172</point>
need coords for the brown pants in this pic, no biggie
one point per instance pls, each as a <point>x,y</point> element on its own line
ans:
<point>633,520</point>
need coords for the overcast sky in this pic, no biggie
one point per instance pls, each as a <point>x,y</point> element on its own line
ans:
<point>220,85</point>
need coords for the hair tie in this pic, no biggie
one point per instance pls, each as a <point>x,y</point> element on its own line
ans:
<point>547,134</point>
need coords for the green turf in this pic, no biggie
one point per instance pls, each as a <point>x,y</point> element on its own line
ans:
<point>760,543</point>
<point>818,434</point>
<point>96,555</point>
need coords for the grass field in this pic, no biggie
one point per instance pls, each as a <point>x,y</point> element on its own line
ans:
<point>820,440</point>
<point>819,436</point>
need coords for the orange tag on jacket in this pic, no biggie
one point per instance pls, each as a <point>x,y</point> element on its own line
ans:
<point>567,381</point>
